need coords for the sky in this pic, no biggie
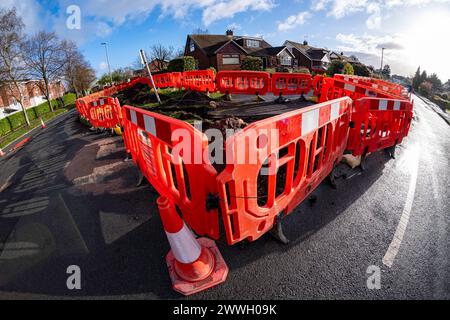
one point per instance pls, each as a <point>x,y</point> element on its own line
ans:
<point>414,32</point>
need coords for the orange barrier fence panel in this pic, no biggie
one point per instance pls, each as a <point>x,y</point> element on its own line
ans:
<point>333,88</point>
<point>378,124</point>
<point>317,84</point>
<point>277,163</point>
<point>291,83</point>
<point>201,80</point>
<point>163,80</point>
<point>169,153</point>
<point>244,82</point>
<point>103,113</point>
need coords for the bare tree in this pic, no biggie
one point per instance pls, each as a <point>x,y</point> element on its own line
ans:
<point>45,56</point>
<point>13,71</point>
<point>160,55</point>
<point>78,73</point>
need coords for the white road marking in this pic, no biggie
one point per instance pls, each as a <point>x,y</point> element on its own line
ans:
<point>392,251</point>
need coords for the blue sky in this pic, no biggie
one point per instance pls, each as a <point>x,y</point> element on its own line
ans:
<point>412,30</point>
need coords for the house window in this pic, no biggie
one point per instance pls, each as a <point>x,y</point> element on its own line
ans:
<point>192,47</point>
<point>286,60</point>
<point>230,59</point>
<point>252,43</point>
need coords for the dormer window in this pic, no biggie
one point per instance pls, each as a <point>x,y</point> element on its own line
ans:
<point>252,43</point>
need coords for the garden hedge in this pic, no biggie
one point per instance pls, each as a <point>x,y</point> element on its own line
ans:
<point>182,64</point>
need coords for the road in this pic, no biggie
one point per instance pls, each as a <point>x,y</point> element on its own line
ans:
<point>69,199</point>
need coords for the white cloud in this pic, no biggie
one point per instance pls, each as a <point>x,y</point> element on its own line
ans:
<point>228,9</point>
<point>295,20</point>
<point>375,8</point>
<point>374,20</point>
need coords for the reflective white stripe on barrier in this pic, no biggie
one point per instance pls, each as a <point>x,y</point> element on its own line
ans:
<point>184,246</point>
<point>310,121</point>
<point>133,117</point>
<point>335,110</point>
<point>382,105</point>
<point>150,126</point>
<point>349,87</point>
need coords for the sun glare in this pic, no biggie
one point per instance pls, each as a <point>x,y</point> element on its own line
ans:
<point>427,42</point>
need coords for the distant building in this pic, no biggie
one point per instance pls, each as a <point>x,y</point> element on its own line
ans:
<point>31,93</point>
<point>315,59</point>
<point>226,52</point>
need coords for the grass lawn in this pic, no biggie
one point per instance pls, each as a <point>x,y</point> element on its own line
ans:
<point>5,140</point>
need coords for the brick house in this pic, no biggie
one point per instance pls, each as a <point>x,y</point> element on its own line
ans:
<point>315,59</point>
<point>226,52</point>
<point>31,93</point>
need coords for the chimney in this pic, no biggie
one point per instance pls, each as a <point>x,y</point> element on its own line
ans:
<point>229,33</point>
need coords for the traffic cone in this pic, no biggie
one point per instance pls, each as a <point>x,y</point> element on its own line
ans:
<point>194,264</point>
<point>42,123</point>
<point>2,154</point>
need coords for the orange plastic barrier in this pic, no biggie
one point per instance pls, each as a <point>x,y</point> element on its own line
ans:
<point>378,124</point>
<point>201,80</point>
<point>392,88</point>
<point>333,88</point>
<point>317,85</point>
<point>310,142</point>
<point>185,179</point>
<point>291,83</point>
<point>244,82</point>
<point>163,80</point>
<point>103,113</point>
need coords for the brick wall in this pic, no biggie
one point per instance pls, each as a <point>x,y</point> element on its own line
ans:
<point>30,91</point>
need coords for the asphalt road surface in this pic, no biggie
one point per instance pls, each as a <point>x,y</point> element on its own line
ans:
<point>68,198</point>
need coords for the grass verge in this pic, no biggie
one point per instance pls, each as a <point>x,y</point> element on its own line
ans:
<point>5,140</point>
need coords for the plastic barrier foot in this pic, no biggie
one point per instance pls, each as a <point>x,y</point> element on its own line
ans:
<point>140,178</point>
<point>391,151</point>
<point>194,264</point>
<point>278,234</point>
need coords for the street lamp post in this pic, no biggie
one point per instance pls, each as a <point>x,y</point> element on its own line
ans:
<point>382,56</point>
<point>107,60</point>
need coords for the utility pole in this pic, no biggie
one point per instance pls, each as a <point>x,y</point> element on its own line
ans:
<point>145,63</point>
<point>382,56</point>
<point>107,60</point>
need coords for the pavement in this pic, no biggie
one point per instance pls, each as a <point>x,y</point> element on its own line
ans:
<point>68,198</point>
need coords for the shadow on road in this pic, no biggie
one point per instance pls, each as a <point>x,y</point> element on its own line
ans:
<point>111,229</point>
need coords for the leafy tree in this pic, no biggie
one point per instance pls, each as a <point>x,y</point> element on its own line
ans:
<point>337,66</point>
<point>425,88</point>
<point>423,77</point>
<point>348,69</point>
<point>118,75</point>
<point>386,72</point>
<point>361,70</point>
<point>435,81</point>
<point>416,81</point>
<point>251,63</point>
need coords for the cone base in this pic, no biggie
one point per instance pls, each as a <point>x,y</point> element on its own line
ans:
<point>217,276</point>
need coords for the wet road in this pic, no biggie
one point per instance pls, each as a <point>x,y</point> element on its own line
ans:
<point>68,199</point>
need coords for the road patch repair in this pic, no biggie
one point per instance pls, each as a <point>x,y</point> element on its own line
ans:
<point>282,151</point>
